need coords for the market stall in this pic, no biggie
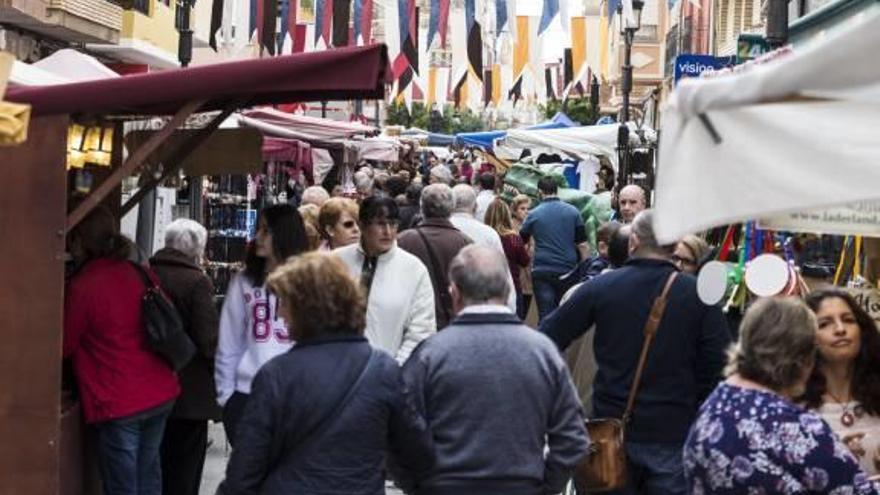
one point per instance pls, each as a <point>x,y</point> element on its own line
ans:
<point>486,139</point>
<point>34,210</point>
<point>790,134</point>
<point>577,142</point>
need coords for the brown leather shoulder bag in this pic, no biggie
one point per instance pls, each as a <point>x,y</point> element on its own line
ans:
<point>604,467</point>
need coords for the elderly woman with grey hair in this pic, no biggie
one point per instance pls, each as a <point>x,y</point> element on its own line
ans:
<point>750,437</point>
<point>178,266</point>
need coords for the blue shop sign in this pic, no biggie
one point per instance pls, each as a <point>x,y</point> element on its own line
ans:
<point>694,65</point>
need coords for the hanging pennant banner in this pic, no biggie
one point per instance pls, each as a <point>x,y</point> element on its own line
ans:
<point>862,218</point>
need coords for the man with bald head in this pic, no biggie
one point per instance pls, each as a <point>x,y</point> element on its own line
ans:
<point>631,201</point>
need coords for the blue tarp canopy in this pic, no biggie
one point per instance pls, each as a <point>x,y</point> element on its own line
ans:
<point>436,139</point>
<point>485,139</point>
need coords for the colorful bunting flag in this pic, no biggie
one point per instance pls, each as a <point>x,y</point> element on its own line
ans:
<point>500,15</point>
<point>341,16</point>
<point>357,21</point>
<point>474,38</point>
<point>437,21</point>
<point>367,21</point>
<point>551,9</point>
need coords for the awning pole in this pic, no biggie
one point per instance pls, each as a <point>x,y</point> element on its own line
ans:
<point>133,162</point>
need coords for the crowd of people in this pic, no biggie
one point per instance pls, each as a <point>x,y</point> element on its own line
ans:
<point>379,340</point>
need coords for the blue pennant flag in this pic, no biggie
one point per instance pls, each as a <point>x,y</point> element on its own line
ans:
<point>500,14</point>
<point>434,20</point>
<point>319,19</point>
<point>612,8</point>
<point>285,17</point>
<point>356,24</point>
<point>551,9</point>
<point>403,20</point>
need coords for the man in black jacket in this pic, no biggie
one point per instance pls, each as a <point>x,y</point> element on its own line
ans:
<point>684,362</point>
<point>503,412</point>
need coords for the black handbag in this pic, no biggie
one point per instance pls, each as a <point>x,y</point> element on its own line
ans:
<point>163,325</point>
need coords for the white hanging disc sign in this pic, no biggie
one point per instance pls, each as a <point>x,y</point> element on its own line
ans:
<point>767,275</point>
<point>712,282</point>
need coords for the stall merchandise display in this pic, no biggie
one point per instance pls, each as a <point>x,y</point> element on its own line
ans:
<point>231,220</point>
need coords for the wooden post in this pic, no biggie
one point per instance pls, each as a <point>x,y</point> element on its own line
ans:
<point>173,160</point>
<point>32,216</point>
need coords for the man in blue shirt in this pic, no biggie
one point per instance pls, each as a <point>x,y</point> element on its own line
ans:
<point>560,243</point>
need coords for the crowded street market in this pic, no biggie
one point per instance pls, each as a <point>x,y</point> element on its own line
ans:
<point>440,247</point>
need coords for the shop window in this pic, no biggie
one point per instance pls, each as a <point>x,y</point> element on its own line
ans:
<point>142,6</point>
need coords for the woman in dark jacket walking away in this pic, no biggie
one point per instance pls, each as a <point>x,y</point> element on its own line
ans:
<point>178,266</point>
<point>322,417</point>
<point>127,391</point>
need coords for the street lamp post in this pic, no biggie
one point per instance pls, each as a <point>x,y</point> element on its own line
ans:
<point>594,98</point>
<point>628,32</point>
<point>185,33</point>
<point>777,23</point>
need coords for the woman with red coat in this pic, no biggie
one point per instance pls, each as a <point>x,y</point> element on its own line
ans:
<point>127,391</point>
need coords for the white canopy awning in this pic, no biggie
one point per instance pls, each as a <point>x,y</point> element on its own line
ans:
<point>578,142</point>
<point>797,133</point>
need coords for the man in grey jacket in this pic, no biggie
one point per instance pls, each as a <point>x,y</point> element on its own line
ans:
<point>502,409</point>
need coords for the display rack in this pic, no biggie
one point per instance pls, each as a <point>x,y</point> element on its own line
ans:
<point>230,216</point>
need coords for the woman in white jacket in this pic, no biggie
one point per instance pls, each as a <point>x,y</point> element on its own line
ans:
<point>400,297</point>
<point>251,330</point>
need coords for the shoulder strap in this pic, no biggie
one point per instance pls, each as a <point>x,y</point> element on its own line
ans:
<point>148,282</point>
<point>651,326</point>
<point>321,426</point>
<point>439,276</point>
<point>431,254</point>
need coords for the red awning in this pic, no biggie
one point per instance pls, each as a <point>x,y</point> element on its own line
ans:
<point>345,73</point>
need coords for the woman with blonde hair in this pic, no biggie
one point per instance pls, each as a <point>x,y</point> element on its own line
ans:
<point>337,223</point>
<point>750,436</point>
<point>498,217</point>
<point>689,254</point>
<point>519,210</point>
<point>357,413</point>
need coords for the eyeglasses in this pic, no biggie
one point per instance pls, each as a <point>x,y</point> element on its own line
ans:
<point>678,260</point>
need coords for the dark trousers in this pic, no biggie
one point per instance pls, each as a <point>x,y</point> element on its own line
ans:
<point>232,413</point>
<point>548,290</point>
<point>183,456</point>
<point>128,453</point>
<point>654,469</point>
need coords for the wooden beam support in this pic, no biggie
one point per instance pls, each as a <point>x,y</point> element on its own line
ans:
<point>130,165</point>
<point>180,155</point>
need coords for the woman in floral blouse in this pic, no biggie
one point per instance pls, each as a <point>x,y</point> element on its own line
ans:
<point>750,437</point>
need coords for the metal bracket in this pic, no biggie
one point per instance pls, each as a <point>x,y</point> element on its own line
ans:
<point>710,128</point>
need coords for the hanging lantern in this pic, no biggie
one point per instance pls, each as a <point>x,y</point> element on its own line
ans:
<point>99,145</point>
<point>75,157</point>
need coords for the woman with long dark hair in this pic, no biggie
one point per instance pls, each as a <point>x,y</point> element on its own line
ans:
<point>844,387</point>
<point>251,329</point>
<point>127,391</point>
